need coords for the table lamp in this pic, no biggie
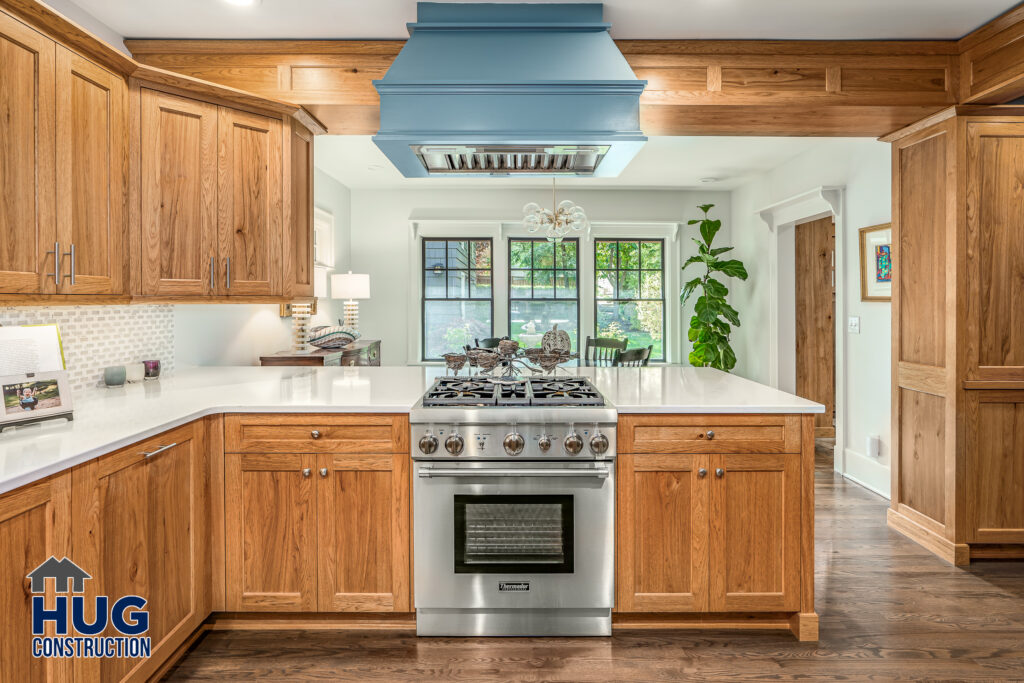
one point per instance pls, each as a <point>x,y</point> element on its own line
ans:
<point>350,287</point>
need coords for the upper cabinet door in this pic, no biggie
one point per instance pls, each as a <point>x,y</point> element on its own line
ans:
<point>178,195</point>
<point>91,170</point>
<point>250,204</point>
<point>26,160</point>
<point>299,240</point>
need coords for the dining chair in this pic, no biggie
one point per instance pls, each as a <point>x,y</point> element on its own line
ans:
<point>633,358</point>
<point>602,350</point>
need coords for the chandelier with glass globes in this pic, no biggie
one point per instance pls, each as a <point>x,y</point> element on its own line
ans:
<point>567,217</point>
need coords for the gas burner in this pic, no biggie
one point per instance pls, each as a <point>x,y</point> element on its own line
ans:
<point>564,391</point>
<point>450,391</point>
<point>535,391</point>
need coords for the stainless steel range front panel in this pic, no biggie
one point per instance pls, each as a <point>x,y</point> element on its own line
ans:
<point>454,579</point>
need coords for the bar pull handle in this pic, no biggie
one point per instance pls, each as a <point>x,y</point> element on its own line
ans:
<point>72,255</point>
<point>227,274</point>
<point>160,450</point>
<point>56,263</point>
<point>213,271</point>
<point>427,472</point>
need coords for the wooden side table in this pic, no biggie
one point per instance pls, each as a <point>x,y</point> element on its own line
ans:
<point>364,352</point>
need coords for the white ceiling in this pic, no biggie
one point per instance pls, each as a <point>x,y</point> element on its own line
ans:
<point>663,163</point>
<point>782,19</point>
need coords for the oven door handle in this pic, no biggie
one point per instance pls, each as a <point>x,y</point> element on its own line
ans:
<point>599,472</point>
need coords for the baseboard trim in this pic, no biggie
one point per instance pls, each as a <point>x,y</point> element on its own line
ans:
<point>277,621</point>
<point>958,554</point>
<point>867,472</point>
<point>179,653</point>
<point>803,625</point>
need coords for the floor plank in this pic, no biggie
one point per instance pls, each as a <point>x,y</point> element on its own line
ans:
<point>889,611</point>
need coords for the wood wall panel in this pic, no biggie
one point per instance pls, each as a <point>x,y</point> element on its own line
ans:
<point>992,60</point>
<point>922,449</point>
<point>996,222</point>
<point>815,319</point>
<point>995,463</point>
<point>922,218</point>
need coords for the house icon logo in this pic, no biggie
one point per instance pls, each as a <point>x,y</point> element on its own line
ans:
<point>62,572</point>
<point>70,625</point>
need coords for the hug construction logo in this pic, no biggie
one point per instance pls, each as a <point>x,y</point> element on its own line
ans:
<point>75,635</point>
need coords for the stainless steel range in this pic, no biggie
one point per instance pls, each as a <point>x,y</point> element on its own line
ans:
<point>514,507</point>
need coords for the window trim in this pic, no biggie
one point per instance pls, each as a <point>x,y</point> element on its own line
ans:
<point>554,270</point>
<point>664,299</point>
<point>468,270</point>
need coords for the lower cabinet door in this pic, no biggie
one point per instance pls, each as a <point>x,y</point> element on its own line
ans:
<point>754,536</point>
<point>141,523</point>
<point>363,522</point>
<point>662,532</point>
<point>995,466</point>
<point>35,524</point>
<point>270,529</point>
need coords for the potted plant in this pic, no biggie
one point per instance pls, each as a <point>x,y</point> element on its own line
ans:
<point>713,318</point>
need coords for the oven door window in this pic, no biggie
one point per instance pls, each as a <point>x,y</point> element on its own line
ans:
<point>513,534</point>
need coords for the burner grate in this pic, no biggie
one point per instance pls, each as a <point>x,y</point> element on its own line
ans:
<point>461,391</point>
<point>576,391</point>
<point>535,391</point>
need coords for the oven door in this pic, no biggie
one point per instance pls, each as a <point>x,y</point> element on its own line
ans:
<point>514,535</point>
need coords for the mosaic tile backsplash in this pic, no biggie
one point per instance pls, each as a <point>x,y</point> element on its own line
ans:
<point>97,336</point>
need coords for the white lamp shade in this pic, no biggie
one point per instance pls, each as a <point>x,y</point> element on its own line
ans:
<point>350,286</point>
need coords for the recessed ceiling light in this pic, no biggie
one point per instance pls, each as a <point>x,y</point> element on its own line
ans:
<point>243,3</point>
<point>710,180</point>
<point>375,167</point>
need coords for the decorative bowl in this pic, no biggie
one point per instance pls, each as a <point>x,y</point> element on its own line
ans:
<point>508,347</point>
<point>455,361</point>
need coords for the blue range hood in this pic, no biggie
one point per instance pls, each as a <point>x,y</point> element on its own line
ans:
<point>509,89</point>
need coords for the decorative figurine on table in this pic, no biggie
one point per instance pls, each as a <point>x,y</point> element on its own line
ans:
<point>508,361</point>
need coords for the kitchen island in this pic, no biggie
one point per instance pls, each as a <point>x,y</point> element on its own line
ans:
<point>280,497</point>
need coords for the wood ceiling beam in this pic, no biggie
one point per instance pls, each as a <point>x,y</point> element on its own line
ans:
<point>992,60</point>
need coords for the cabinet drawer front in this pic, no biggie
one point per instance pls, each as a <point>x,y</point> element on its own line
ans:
<point>709,433</point>
<point>316,433</point>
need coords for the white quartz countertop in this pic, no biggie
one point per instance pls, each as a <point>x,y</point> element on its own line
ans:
<point>109,419</point>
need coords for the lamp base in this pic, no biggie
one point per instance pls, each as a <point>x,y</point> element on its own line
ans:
<point>300,327</point>
<point>351,314</point>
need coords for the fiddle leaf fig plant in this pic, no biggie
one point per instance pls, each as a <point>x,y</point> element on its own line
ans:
<point>713,318</point>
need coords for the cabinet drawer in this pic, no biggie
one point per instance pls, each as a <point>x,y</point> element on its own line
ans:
<point>316,433</point>
<point>709,433</point>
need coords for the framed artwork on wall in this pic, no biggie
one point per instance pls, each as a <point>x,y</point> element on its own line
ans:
<point>876,263</point>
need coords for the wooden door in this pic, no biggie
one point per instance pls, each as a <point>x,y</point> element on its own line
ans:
<point>91,170</point>
<point>27,227</point>
<point>300,211</point>
<point>249,200</point>
<point>755,532</point>
<point>141,526</point>
<point>35,523</point>
<point>270,529</point>
<point>178,195</point>
<point>662,533</point>
<point>363,522</point>
<point>815,319</point>
<point>995,466</point>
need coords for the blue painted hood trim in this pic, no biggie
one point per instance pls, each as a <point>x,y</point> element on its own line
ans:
<point>509,74</point>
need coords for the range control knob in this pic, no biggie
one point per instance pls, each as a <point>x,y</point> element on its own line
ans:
<point>544,443</point>
<point>428,443</point>
<point>573,443</point>
<point>454,444</point>
<point>514,443</point>
<point>599,444</point>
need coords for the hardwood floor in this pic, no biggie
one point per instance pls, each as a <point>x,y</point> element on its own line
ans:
<point>889,610</point>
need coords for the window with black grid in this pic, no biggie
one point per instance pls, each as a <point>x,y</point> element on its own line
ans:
<point>629,292</point>
<point>543,289</point>
<point>458,294</point>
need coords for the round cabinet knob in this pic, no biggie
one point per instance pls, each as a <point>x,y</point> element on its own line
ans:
<point>454,444</point>
<point>315,433</point>
<point>711,435</point>
<point>599,444</point>
<point>514,443</point>
<point>544,443</point>
<point>573,443</point>
<point>428,443</point>
<point>701,473</point>
<point>719,472</point>
<point>306,472</point>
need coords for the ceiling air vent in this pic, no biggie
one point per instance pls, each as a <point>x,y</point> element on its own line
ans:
<point>579,160</point>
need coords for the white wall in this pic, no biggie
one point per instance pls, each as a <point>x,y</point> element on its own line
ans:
<point>88,22</point>
<point>238,334</point>
<point>382,235</point>
<point>863,167</point>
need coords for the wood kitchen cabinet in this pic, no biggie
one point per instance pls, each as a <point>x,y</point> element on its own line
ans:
<point>141,524</point>
<point>704,531</point>
<point>178,194</point>
<point>249,204</point>
<point>27,221</point>
<point>35,523</point>
<point>92,161</point>
<point>334,492</point>
<point>299,274</point>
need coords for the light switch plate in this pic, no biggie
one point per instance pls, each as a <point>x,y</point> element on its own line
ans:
<point>853,324</point>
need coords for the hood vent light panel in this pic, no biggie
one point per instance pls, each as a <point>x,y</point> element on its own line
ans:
<point>574,160</point>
